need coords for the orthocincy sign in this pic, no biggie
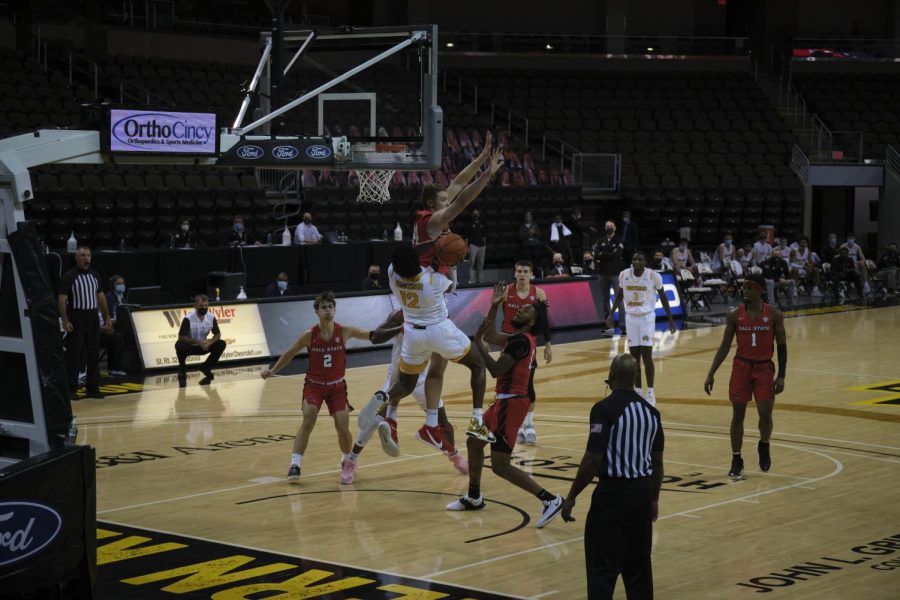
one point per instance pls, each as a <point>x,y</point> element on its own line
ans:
<point>162,132</point>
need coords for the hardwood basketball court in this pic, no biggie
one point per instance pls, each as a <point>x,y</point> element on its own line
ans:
<point>204,469</point>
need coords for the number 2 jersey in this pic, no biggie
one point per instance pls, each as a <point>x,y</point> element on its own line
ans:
<point>326,357</point>
<point>755,338</point>
<point>422,297</point>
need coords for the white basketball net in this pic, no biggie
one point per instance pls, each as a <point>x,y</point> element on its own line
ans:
<point>373,186</point>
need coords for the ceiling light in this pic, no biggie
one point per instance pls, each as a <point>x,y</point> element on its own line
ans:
<point>548,47</point>
<point>449,44</point>
<point>649,49</point>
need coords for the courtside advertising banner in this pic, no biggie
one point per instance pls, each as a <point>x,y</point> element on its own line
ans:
<point>239,324</point>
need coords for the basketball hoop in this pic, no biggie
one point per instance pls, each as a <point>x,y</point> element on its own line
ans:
<point>374,183</point>
<point>373,186</point>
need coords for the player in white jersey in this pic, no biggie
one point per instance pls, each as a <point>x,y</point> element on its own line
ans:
<point>386,425</point>
<point>427,330</point>
<point>639,288</point>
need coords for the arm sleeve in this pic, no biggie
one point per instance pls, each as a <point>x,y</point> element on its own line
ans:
<point>185,329</point>
<point>215,329</point>
<point>517,347</point>
<point>600,422</point>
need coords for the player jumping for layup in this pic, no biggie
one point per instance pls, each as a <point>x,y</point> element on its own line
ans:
<point>325,380</point>
<point>427,330</point>
<point>513,372</point>
<point>519,294</point>
<point>757,326</point>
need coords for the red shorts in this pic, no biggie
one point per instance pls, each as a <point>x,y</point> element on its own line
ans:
<point>503,418</point>
<point>751,380</point>
<point>334,396</point>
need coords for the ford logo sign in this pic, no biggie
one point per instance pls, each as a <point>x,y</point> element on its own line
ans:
<point>25,529</point>
<point>285,152</point>
<point>318,152</point>
<point>250,152</point>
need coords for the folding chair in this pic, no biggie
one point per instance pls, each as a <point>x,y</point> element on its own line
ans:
<point>708,279</point>
<point>698,295</point>
<point>878,284</point>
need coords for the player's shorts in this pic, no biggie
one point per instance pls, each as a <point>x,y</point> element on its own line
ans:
<point>421,341</point>
<point>640,329</point>
<point>751,380</point>
<point>334,396</point>
<point>504,418</point>
<point>419,391</point>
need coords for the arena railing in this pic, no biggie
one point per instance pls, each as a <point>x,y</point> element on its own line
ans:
<point>860,49</point>
<point>638,45</point>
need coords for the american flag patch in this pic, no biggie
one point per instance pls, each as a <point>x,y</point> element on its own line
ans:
<point>596,427</point>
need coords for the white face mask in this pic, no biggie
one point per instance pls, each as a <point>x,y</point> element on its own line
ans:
<point>185,227</point>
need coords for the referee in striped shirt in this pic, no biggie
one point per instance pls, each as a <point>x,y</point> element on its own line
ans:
<point>625,449</point>
<point>80,295</point>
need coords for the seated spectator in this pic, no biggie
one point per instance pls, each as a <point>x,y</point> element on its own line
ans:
<point>587,263</point>
<point>279,287</point>
<point>186,237</point>
<point>559,238</point>
<point>745,256</point>
<point>762,249</point>
<point>855,252</point>
<point>240,235</point>
<point>843,268</point>
<point>777,275</point>
<point>117,294</point>
<point>306,232</point>
<point>660,262</point>
<point>558,269</point>
<point>802,266</point>
<point>888,265</point>
<point>724,254</point>
<point>782,244</point>
<point>830,249</point>
<point>114,344</point>
<point>373,279</point>
<point>683,258</point>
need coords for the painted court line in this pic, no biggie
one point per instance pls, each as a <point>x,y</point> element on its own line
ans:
<point>839,467</point>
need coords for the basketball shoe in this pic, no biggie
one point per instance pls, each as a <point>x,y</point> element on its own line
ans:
<point>348,472</point>
<point>387,432</point>
<point>530,435</point>
<point>480,431</point>
<point>294,473</point>
<point>466,503</point>
<point>459,462</point>
<point>737,467</point>
<point>520,436</point>
<point>550,510</point>
<point>434,437</point>
<point>367,416</point>
<point>765,457</point>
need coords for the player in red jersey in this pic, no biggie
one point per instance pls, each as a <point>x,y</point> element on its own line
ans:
<point>441,206</point>
<point>325,379</point>
<point>505,415</point>
<point>758,328</point>
<point>519,294</point>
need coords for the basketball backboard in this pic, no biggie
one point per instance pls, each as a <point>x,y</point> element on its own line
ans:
<point>367,95</point>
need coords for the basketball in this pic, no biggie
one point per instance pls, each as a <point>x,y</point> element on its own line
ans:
<point>450,249</point>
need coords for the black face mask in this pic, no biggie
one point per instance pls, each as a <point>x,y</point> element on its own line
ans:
<point>201,312</point>
<point>374,275</point>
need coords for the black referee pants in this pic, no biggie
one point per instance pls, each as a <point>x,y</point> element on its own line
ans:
<point>83,340</point>
<point>184,350</point>
<point>617,539</point>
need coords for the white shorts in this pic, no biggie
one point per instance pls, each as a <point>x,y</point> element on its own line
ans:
<point>444,338</point>
<point>640,329</point>
<point>419,391</point>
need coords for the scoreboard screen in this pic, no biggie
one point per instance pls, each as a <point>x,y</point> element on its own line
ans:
<point>160,132</point>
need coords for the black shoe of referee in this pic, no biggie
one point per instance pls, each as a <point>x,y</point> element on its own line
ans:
<point>737,467</point>
<point>765,458</point>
